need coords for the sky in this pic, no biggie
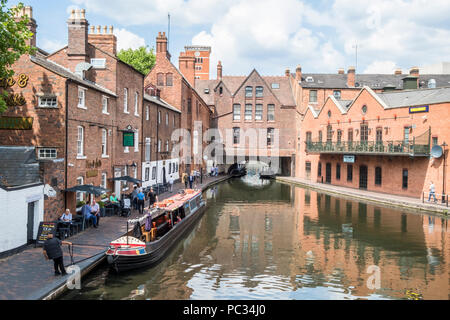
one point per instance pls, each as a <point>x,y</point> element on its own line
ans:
<point>321,36</point>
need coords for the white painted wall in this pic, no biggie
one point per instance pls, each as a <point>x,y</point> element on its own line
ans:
<point>14,215</point>
<point>159,166</point>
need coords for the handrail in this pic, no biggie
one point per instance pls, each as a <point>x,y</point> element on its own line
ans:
<point>441,199</point>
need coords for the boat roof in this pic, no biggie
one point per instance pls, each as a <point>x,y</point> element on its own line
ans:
<point>178,200</point>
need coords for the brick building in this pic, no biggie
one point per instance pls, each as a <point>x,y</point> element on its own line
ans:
<point>202,61</point>
<point>253,103</point>
<point>159,121</point>
<point>176,87</point>
<point>378,141</point>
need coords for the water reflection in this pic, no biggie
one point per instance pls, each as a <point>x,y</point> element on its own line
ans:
<point>265,240</point>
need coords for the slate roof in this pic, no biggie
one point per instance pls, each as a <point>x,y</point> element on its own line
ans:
<point>373,81</point>
<point>409,98</point>
<point>18,167</point>
<point>160,102</point>
<point>66,73</point>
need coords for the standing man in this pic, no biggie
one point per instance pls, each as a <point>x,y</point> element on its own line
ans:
<point>134,198</point>
<point>185,180</point>
<point>140,201</point>
<point>52,250</point>
<point>95,210</point>
<point>191,180</point>
<point>153,197</point>
<point>432,192</point>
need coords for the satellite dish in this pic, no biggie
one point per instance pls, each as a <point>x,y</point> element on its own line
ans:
<point>436,152</point>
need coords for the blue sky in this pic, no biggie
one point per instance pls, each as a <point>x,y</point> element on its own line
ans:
<point>270,35</point>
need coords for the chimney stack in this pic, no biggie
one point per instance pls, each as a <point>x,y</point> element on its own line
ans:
<point>287,72</point>
<point>351,77</point>
<point>187,67</point>
<point>219,70</point>
<point>32,26</point>
<point>298,73</point>
<point>106,41</point>
<point>398,72</point>
<point>78,37</point>
<point>161,46</point>
<point>341,71</point>
<point>414,72</point>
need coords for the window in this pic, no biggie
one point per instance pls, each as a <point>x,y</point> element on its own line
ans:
<point>237,112</point>
<point>170,168</point>
<point>47,153</point>
<point>80,195</point>
<point>197,107</point>
<point>248,92</point>
<point>98,63</point>
<point>350,136</point>
<point>147,174</point>
<point>104,142</point>
<point>220,90</point>
<point>308,169</point>
<point>259,112</point>
<point>275,86</point>
<point>349,173</point>
<point>271,112</point>
<point>169,80</point>
<point>320,136</point>
<point>364,109</point>
<point>147,113</point>
<point>148,148</point>
<point>337,94</point>
<point>105,105</point>
<point>48,102</point>
<point>329,134</point>
<point>153,173</point>
<point>136,104</point>
<point>405,179</point>
<point>435,141</point>
<point>167,145</point>
<point>160,79</point>
<point>125,173</point>
<point>319,169</point>
<point>259,92</point>
<point>173,121</point>
<point>339,136</point>
<point>308,136</point>
<point>82,98</point>
<point>136,141</point>
<point>80,142</point>
<point>379,136</point>
<point>125,100</point>
<point>104,180</point>
<point>338,171</point>
<point>406,134</point>
<point>236,135</point>
<point>159,145</point>
<point>159,116</point>
<point>378,176</point>
<point>167,119</point>
<point>270,136</point>
<point>248,112</point>
<point>313,96</point>
<point>364,132</point>
<point>189,105</point>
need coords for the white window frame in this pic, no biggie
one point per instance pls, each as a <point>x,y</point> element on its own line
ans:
<point>82,98</point>
<point>159,116</point>
<point>147,112</point>
<point>105,143</point>
<point>159,145</point>
<point>167,145</point>
<point>80,195</point>
<point>104,179</point>
<point>80,143</point>
<point>136,104</point>
<point>41,103</point>
<point>136,141</point>
<point>98,63</point>
<point>47,153</point>
<point>167,119</point>
<point>105,102</point>
<point>148,149</point>
<point>125,101</point>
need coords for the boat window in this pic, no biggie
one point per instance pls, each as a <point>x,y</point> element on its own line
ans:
<point>186,209</point>
<point>199,200</point>
<point>193,205</point>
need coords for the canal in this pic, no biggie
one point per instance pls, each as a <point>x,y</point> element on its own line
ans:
<point>267,240</point>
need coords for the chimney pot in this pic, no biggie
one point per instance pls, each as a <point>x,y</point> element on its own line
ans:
<point>341,71</point>
<point>111,29</point>
<point>105,29</point>
<point>287,72</point>
<point>398,72</point>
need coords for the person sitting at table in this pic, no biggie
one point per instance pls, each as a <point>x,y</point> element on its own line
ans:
<point>95,210</point>
<point>114,202</point>
<point>66,216</point>
<point>88,215</point>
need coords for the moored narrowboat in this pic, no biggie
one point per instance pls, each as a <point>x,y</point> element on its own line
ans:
<point>157,232</point>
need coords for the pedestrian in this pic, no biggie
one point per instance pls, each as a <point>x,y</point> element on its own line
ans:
<point>191,180</point>
<point>152,197</point>
<point>52,250</point>
<point>141,202</point>
<point>432,192</point>
<point>95,210</point>
<point>185,180</point>
<point>170,184</point>
<point>134,199</point>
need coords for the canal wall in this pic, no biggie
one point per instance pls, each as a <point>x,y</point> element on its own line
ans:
<point>54,290</point>
<point>387,200</point>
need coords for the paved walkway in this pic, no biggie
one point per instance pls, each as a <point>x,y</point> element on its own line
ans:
<point>28,276</point>
<point>384,198</point>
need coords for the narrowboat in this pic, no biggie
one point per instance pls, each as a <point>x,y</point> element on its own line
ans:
<point>157,232</point>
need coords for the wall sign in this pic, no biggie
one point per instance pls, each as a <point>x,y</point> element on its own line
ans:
<point>15,99</point>
<point>349,159</point>
<point>16,123</point>
<point>128,139</point>
<point>419,109</point>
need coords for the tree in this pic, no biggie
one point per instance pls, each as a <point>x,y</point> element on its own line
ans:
<point>142,59</point>
<point>14,37</point>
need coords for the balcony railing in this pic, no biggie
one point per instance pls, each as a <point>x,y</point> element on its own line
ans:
<point>393,148</point>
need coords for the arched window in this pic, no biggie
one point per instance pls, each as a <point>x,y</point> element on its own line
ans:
<point>160,79</point>
<point>169,80</point>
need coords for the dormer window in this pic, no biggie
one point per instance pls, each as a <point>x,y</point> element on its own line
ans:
<point>206,91</point>
<point>220,90</point>
<point>275,86</point>
<point>98,63</point>
<point>248,92</point>
<point>309,79</point>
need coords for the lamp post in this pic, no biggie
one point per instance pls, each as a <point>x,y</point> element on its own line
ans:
<point>443,175</point>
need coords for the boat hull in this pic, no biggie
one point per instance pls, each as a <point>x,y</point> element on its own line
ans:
<point>155,251</point>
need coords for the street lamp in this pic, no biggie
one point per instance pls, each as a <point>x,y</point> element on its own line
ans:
<point>443,175</point>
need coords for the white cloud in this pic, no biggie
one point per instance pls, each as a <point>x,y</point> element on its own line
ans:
<point>51,45</point>
<point>383,67</point>
<point>128,40</point>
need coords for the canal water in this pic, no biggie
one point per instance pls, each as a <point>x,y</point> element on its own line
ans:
<point>267,240</point>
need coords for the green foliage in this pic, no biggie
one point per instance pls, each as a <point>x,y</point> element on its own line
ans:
<point>142,59</point>
<point>14,36</point>
<point>80,204</point>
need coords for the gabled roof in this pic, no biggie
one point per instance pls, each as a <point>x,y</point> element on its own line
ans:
<point>160,102</point>
<point>409,98</point>
<point>18,167</point>
<point>66,73</point>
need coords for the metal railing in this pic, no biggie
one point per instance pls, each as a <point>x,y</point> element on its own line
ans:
<point>440,199</point>
<point>370,147</point>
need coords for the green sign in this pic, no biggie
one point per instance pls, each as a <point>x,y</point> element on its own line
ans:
<point>16,123</point>
<point>128,139</point>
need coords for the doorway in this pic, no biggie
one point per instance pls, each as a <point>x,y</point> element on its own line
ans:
<point>363,177</point>
<point>30,223</point>
<point>328,173</point>
<point>164,175</point>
